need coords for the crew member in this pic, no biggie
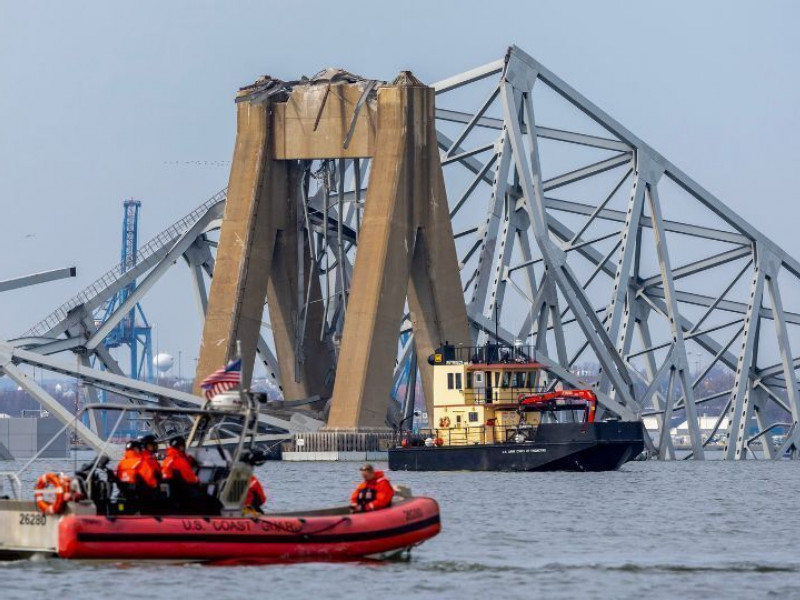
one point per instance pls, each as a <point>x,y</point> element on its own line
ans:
<point>151,500</point>
<point>374,493</point>
<point>177,469</point>
<point>128,468</point>
<point>256,498</point>
<point>177,465</point>
<point>149,469</point>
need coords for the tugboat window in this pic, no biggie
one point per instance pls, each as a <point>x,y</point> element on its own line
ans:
<point>469,380</point>
<point>449,381</point>
<point>458,381</point>
<point>473,417</point>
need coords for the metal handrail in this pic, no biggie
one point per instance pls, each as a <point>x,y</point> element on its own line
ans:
<point>498,434</point>
<point>14,481</point>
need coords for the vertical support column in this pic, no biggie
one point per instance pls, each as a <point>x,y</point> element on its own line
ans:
<point>650,367</point>
<point>619,308</point>
<point>380,275</point>
<point>303,359</point>
<point>741,409</point>
<point>496,208</point>
<point>787,360</point>
<point>679,345</point>
<point>256,259</point>
<point>405,233</point>
<point>244,255</point>
<point>664,438</point>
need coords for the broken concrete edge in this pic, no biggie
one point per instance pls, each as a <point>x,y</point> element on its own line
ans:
<point>268,87</point>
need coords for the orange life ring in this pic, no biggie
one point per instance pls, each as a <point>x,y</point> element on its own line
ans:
<point>444,422</point>
<point>50,482</point>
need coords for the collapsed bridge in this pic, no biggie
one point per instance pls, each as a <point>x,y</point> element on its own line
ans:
<point>377,220</point>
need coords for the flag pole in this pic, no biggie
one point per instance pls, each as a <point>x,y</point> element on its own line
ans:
<point>239,358</point>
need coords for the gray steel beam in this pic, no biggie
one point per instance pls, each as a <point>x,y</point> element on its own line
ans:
<point>46,400</point>
<point>37,278</point>
<point>741,407</point>
<point>548,133</point>
<point>471,76</point>
<point>175,252</point>
<point>609,214</point>
<point>679,349</point>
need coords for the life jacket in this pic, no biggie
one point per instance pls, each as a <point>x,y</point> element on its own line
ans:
<point>128,467</point>
<point>149,470</point>
<point>374,494</point>
<point>255,494</point>
<point>176,465</point>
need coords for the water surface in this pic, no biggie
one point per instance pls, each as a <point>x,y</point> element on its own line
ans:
<point>651,530</point>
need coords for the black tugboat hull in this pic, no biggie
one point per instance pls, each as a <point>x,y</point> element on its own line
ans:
<point>602,446</point>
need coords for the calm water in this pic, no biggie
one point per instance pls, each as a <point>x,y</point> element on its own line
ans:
<point>652,530</point>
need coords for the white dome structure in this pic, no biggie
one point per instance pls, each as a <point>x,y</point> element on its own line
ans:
<point>163,362</point>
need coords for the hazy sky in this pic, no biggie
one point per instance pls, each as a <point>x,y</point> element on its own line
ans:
<point>106,100</point>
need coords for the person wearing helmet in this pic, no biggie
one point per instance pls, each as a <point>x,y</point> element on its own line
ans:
<point>128,468</point>
<point>374,492</point>
<point>178,471</point>
<point>177,465</point>
<point>151,500</point>
<point>149,469</point>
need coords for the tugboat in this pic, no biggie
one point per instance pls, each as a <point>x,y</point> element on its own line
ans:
<point>496,409</point>
<point>85,517</point>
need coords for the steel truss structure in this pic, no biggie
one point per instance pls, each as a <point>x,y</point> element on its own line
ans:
<point>573,234</point>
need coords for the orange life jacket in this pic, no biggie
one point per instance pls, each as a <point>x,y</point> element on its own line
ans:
<point>128,467</point>
<point>177,465</point>
<point>149,470</point>
<point>374,494</point>
<point>255,494</point>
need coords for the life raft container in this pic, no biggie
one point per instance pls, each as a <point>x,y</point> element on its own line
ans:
<point>324,534</point>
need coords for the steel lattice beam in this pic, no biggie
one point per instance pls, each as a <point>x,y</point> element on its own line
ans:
<point>583,256</point>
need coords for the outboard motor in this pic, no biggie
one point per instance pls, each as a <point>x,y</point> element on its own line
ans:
<point>97,482</point>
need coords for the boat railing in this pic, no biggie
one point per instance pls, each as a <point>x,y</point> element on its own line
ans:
<point>489,353</point>
<point>14,483</point>
<point>464,436</point>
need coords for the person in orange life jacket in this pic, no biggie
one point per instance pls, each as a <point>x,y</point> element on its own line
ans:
<point>177,464</point>
<point>149,497</point>
<point>185,494</point>
<point>374,493</point>
<point>149,469</point>
<point>127,469</point>
<point>256,498</point>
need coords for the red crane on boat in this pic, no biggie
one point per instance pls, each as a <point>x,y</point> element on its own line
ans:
<point>561,400</point>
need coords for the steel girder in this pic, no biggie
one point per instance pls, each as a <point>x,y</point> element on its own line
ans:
<point>670,261</point>
<point>586,242</point>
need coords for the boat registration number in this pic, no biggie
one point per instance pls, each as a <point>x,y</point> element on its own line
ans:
<point>524,450</point>
<point>32,519</point>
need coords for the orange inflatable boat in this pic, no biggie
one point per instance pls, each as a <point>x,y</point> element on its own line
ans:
<point>332,534</point>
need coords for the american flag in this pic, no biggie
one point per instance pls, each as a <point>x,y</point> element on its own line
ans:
<point>223,380</point>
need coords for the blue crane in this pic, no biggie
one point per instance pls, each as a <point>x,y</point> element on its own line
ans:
<point>133,330</point>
